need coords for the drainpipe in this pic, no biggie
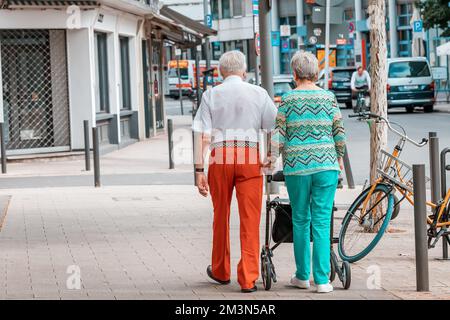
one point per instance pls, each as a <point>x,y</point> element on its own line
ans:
<point>393,36</point>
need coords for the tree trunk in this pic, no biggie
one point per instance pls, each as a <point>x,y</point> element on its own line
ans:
<point>378,92</point>
<point>378,74</point>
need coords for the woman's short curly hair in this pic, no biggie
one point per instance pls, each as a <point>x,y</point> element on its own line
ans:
<point>305,66</point>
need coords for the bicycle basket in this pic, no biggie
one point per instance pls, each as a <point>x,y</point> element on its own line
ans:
<point>396,171</point>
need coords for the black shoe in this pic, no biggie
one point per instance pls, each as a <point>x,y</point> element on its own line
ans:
<point>209,272</point>
<point>249,290</point>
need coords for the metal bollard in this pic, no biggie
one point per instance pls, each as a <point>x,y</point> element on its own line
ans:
<point>348,170</point>
<point>435,179</point>
<point>3,147</point>
<point>87,147</point>
<point>170,133</point>
<point>434,167</point>
<point>420,228</point>
<point>95,140</point>
<point>443,169</point>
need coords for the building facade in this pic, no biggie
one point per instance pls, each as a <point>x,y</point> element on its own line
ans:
<point>63,62</point>
<point>301,24</point>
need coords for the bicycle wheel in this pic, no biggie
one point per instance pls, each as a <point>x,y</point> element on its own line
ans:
<point>361,231</point>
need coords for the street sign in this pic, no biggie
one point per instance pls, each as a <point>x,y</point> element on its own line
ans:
<point>317,32</point>
<point>209,20</point>
<point>302,31</point>
<point>341,41</point>
<point>418,26</point>
<point>285,45</point>
<point>285,30</point>
<point>351,27</point>
<point>178,52</point>
<point>255,16</point>
<point>255,8</point>
<point>275,38</point>
<point>439,73</point>
<point>257,44</point>
<point>312,40</point>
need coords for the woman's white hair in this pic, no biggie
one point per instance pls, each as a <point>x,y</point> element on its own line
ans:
<point>305,66</point>
<point>233,62</point>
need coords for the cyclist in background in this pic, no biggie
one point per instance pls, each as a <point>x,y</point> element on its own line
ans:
<point>360,79</point>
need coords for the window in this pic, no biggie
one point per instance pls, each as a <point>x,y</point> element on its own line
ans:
<point>409,69</point>
<point>102,73</point>
<point>125,70</point>
<point>237,8</point>
<point>215,9</point>
<point>348,14</point>
<point>226,14</point>
<point>239,46</point>
<point>184,73</point>
<point>248,7</point>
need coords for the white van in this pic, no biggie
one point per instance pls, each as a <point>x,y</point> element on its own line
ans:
<point>410,84</point>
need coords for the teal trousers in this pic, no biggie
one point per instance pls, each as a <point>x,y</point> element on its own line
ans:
<point>311,198</point>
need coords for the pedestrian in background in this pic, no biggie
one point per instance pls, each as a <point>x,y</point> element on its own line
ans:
<point>310,135</point>
<point>229,122</point>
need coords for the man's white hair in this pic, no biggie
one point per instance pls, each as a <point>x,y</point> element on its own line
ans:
<point>233,62</point>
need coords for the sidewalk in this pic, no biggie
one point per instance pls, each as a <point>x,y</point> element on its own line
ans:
<point>144,162</point>
<point>154,242</point>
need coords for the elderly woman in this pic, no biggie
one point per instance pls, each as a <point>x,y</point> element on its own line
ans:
<point>310,136</point>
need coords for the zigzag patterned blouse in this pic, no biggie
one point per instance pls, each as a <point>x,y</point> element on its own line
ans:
<point>309,132</point>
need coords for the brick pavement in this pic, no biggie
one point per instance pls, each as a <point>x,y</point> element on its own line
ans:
<point>154,242</point>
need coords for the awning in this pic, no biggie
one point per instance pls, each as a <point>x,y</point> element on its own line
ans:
<point>443,49</point>
<point>173,32</point>
<point>187,22</point>
<point>12,4</point>
<point>183,31</point>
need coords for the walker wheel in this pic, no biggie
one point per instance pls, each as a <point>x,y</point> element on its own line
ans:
<point>266,269</point>
<point>346,275</point>
<point>332,271</point>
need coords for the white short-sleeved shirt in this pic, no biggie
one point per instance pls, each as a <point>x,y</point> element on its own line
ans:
<point>235,110</point>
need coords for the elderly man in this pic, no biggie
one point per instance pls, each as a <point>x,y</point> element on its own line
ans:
<point>229,122</point>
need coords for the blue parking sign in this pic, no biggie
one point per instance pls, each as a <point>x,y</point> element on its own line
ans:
<point>209,20</point>
<point>418,26</point>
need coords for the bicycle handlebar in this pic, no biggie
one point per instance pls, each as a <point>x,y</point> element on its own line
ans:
<point>369,115</point>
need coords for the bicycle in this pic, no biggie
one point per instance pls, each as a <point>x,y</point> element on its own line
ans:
<point>368,217</point>
<point>362,104</point>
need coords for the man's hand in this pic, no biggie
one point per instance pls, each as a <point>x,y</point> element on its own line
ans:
<point>341,164</point>
<point>268,166</point>
<point>202,184</point>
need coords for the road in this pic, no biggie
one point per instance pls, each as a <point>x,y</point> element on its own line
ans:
<point>417,126</point>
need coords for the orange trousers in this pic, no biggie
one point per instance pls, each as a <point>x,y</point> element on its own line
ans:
<point>240,168</point>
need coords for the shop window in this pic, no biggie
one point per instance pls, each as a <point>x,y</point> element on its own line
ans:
<point>125,72</point>
<point>102,72</point>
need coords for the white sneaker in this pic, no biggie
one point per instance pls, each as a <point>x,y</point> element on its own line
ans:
<point>302,284</point>
<point>324,288</point>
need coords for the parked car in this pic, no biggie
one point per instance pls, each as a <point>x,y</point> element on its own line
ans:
<point>339,83</point>
<point>281,85</point>
<point>410,84</point>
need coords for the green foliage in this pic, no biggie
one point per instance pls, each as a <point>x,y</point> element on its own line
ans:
<point>436,13</point>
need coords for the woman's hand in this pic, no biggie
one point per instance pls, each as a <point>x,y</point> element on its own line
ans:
<point>202,183</point>
<point>268,166</point>
<point>341,163</point>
